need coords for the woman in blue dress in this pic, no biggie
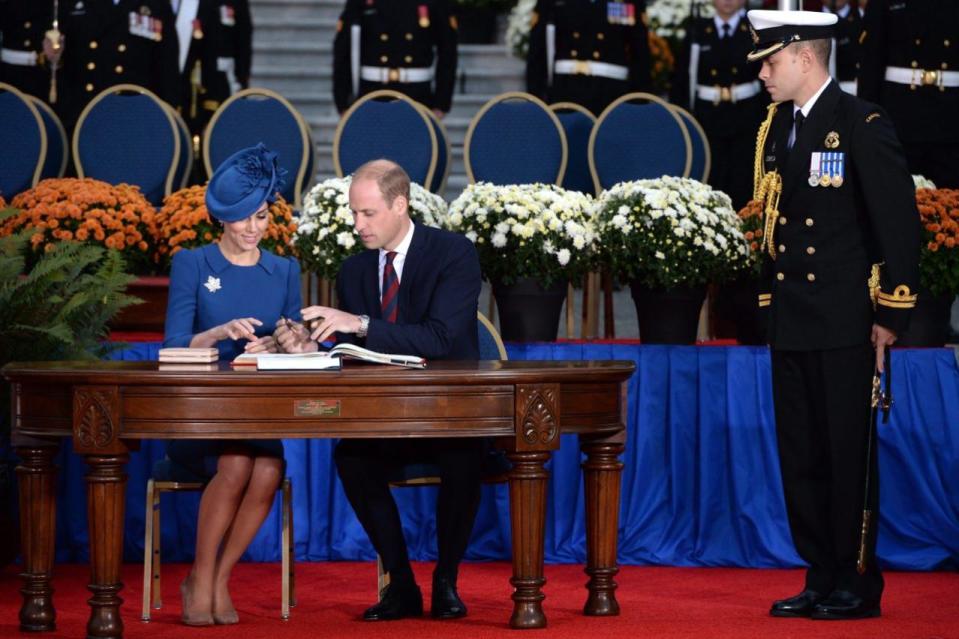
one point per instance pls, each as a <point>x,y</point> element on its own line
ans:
<point>229,295</point>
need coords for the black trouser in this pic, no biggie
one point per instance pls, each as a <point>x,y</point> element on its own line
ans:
<point>937,161</point>
<point>365,468</point>
<point>822,403</point>
<point>731,167</point>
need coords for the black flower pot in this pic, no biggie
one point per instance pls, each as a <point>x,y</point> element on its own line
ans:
<point>527,311</point>
<point>928,322</point>
<point>667,316</point>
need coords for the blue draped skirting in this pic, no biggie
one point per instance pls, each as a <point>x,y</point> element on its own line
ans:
<point>701,484</point>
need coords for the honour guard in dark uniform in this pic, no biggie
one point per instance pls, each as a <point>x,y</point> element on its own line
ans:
<point>392,44</point>
<point>720,88</point>
<point>115,42</point>
<point>848,30</point>
<point>234,59</point>
<point>838,203</point>
<point>910,65</point>
<point>588,53</point>
<point>202,87</point>
<point>23,61</point>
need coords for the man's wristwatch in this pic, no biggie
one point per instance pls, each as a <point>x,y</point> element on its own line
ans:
<point>364,326</point>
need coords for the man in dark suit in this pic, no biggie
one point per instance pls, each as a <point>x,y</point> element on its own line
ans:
<point>236,44</point>
<point>413,292</point>
<point>848,31</point>
<point>910,66</point>
<point>202,87</point>
<point>846,204</point>
<point>108,43</point>
<point>395,43</point>
<point>26,54</point>
<point>714,82</point>
<point>587,52</point>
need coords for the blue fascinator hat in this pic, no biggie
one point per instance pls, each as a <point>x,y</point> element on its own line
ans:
<point>243,182</point>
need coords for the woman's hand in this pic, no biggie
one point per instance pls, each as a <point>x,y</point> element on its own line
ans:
<point>265,344</point>
<point>243,328</point>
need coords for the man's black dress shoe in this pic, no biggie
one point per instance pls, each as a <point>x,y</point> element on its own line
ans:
<point>799,606</point>
<point>397,602</point>
<point>445,602</point>
<point>842,604</point>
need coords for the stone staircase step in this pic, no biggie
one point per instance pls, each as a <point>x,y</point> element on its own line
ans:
<point>294,9</point>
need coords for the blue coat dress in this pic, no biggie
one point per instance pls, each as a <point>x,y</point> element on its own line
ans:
<point>206,290</point>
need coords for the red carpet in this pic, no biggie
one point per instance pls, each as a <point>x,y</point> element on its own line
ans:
<point>693,603</point>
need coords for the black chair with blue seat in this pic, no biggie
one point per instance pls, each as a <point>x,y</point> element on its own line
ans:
<point>23,138</point>
<point>578,122</point>
<point>387,124</point>
<point>496,466</point>
<point>702,154</point>
<point>638,136</point>
<point>126,134</point>
<point>169,477</point>
<point>515,139</point>
<point>58,146</point>
<point>256,115</point>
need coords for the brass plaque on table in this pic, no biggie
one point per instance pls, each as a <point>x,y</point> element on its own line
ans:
<point>316,407</point>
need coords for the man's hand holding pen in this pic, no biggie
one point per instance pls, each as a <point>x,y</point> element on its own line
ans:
<point>330,320</point>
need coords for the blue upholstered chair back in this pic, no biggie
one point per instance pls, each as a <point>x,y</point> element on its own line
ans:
<point>258,115</point>
<point>23,140</point>
<point>702,155</point>
<point>387,124</point>
<point>126,134</point>
<point>58,148</point>
<point>490,343</point>
<point>444,154</point>
<point>183,168</point>
<point>310,162</point>
<point>577,123</point>
<point>638,137</point>
<point>515,139</point>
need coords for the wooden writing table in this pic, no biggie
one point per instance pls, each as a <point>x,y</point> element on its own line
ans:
<point>107,407</point>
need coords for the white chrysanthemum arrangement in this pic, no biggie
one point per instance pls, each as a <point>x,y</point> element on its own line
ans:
<point>670,232</point>
<point>325,235</point>
<point>528,230</point>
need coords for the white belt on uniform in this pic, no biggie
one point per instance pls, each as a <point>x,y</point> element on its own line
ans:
<point>22,58</point>
<point>849,86</point>
<point>391,74</point>
<point>922,77</point>
<point>734,93</point>
<point>587,67</point>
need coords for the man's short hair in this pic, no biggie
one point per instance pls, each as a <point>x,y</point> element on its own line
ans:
<point>389,176</point>
<point>821,48</point>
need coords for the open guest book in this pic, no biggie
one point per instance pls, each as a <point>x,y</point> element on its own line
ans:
<point>330,359</point>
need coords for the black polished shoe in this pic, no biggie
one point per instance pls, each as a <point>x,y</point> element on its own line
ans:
<point>445,602</point>
<point>799,606</point>
<point>842,604</point>
<point>396,602</point>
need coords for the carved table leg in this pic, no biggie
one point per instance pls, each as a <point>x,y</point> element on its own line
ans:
<point>602,472</point>
<point>527,497</point>
<point>37,480</point>
<point>106,488</point>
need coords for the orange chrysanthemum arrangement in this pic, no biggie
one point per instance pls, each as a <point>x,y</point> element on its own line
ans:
<point>184,222</point>
<point>751,223</point>
<point>662,62</point>
<point>939,257</point>
<point>88,210</point>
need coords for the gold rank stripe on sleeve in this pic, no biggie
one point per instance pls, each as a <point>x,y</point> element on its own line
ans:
<point>765,299</point>
<point>901,297</point>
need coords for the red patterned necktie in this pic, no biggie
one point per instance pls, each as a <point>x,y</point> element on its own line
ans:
<point>391,288</point>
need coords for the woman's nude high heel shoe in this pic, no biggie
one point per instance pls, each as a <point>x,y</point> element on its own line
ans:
<point>186,594</point>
